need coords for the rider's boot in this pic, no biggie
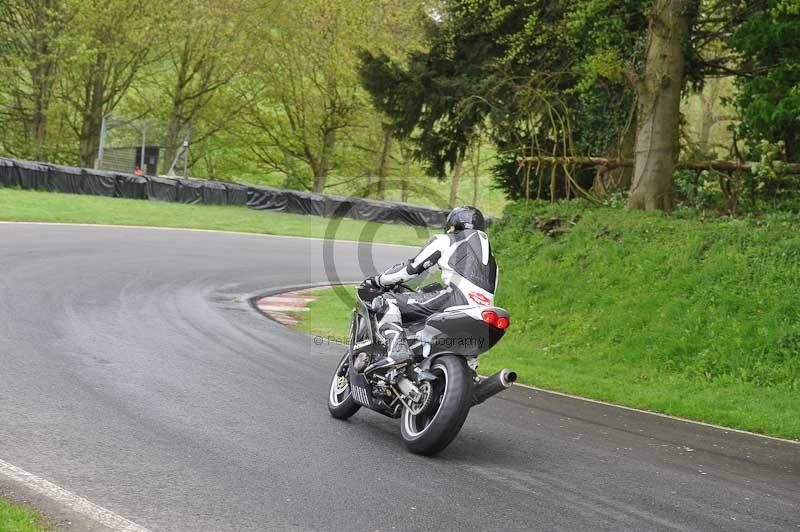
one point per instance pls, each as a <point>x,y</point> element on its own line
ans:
<point>398,353</point>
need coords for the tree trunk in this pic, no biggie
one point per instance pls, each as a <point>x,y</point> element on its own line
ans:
<point>791,156</point>
<point>406,172</point>
<point>368,190</point>
<point>707,105</point>
<point>319,182</point>
<point>705,131</point>
<point>454,181</point>
<point>708,119</point>
<point>42,83</point>
<point>321,170</point>
<point>404,183</point>
<point>658,114</point>
<point>622,176</point>
<point>40,32</point>
<point>179,97</point>
<point>384,166</point>
<point>475,189</point>
<point>92,113</point>
<point>171,141</point>
<point>476,168</point>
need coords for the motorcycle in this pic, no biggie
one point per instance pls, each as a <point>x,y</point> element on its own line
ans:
<point>433,394</point>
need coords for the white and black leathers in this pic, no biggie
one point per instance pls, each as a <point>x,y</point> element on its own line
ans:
<point>469,273</point>
<point>465,259</point>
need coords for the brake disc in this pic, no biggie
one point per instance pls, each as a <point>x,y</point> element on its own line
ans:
<point>425,401</point>
<point>341,384</point>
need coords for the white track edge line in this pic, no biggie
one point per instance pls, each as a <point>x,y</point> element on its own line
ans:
<point>74,502</point>
<point>659,414</point>
<point>192,230</point>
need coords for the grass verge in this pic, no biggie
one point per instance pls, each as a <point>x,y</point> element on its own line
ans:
<point>35,206</point>
<point>328,317</point>
<point>697,320</point>
<point>15,518</point>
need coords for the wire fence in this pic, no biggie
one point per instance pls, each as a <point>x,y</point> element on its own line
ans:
<point>143,147</point>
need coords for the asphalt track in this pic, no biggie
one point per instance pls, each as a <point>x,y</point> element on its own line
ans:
<point>133,373</point>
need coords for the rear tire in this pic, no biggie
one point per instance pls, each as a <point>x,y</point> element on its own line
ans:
<point>340,401</point>
<point>431,431</point>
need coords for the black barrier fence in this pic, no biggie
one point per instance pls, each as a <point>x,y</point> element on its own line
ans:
<point>42,176</point>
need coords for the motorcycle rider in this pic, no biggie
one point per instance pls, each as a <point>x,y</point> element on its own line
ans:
<point>469,273</point>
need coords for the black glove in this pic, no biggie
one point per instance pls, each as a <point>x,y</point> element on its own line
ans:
<point>374,283</point>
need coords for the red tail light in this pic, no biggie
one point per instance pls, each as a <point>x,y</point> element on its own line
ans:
<point>489,316</point>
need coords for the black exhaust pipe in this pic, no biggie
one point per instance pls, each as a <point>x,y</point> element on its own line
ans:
<point>492,385</point>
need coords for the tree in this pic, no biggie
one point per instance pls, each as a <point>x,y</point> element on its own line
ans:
<point>110,42</point>
<point>262,84</point>
<point>424,102</point>
<point>658,90</point>
<point>534,73</point>
<point>688,41</point>
<point>31,52</point>
<point>383,168</point>
<point>309,97</point>
<point>475,165</point>
<point>711,114</point>
<point>206,48</point>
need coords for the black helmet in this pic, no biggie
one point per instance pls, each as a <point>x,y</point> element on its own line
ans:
<point>465,218</point>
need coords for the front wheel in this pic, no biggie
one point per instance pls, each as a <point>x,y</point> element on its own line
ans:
<point>340,401</point>
<point>431,430</point>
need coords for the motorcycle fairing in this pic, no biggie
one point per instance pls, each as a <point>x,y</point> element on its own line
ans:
<point>360,388</point>
<point>459,331</point>
<point>361,335</point>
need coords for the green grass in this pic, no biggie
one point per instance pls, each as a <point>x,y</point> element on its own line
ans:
<point>34,206</point>
<point>329,316</point>
<point>698,320</point>
<point>15,518</point>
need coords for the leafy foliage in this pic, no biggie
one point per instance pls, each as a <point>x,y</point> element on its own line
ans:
<point>769,98</point>
<point>268,87</point>
<point>290,93</point>
<point>427,100</point>
<point>535,73</point>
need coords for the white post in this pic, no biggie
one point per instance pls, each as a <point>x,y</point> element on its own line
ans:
<point>144,143</point>
<point>185,158</point>
<point>186,152</point>
<point>99,161</point>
